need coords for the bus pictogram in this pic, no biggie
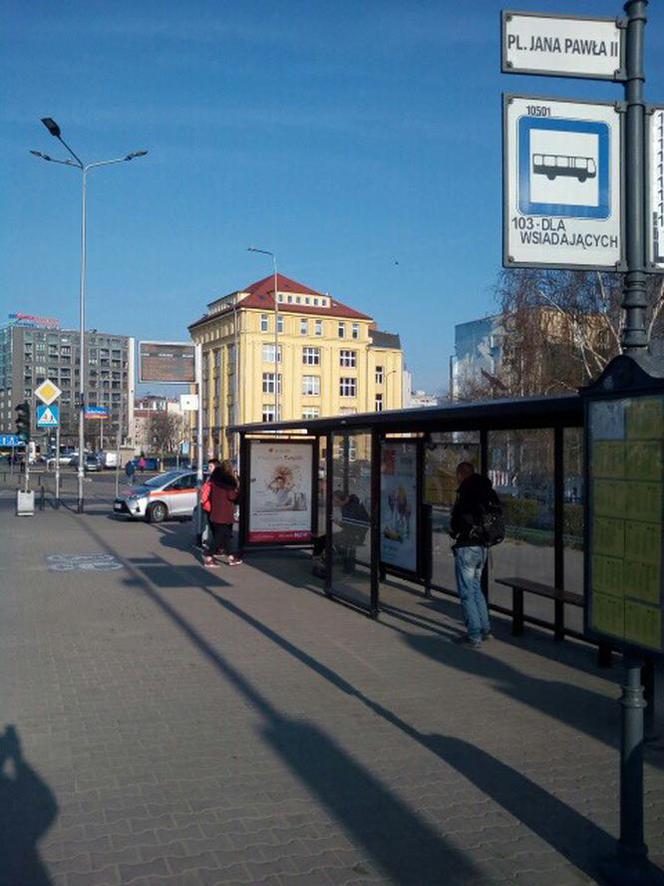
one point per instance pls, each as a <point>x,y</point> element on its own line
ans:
<point>553,165</point>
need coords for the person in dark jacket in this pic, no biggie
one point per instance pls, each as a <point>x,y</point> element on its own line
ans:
<point>220,498</point>
<point>470,551</point>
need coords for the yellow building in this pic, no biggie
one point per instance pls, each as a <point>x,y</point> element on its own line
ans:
<point>332,359</point>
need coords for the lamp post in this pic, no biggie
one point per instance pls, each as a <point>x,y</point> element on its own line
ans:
<point>277,410</point>
<point>84,168</point>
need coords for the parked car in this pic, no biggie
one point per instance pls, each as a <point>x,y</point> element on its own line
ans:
<point>172,494</point>
<point>91,462</point>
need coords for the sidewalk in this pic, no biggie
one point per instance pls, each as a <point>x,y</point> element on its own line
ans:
<point>189,726</point>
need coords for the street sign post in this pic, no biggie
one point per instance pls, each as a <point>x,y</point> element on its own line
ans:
<point>562,163</point>
<point>48,416</point>
<point>562,184</point>
<point>48,392</point>
<point>563,45</point>
<point>655,206</point>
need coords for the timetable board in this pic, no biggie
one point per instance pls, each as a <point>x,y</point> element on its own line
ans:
<point>625,452</point>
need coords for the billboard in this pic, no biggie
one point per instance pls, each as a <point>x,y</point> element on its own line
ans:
<point>166,362</point>
<point>29,321</point>
<point>280,492</point>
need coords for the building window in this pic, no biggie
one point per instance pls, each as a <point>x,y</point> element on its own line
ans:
<point>318,327</point>
<point>355,330</point>
<point>310,412</point>
<point>341,330</point>
<point>268,353</point>
<point>269,412</point>
<point>379,402</point>
<point>348,358</point>
<point>264,323</point>
<point>304,327</point>
<point>348,387</point>
<point>268,382</point>
<point>379,375</point>
<point>311,385</point>
<point>311,356</point>
<point>280,323</point>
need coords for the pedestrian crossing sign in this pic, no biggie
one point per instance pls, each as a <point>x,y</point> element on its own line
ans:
<point>48,416</point>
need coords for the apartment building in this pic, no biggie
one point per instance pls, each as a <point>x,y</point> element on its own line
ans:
<point>323,358</point>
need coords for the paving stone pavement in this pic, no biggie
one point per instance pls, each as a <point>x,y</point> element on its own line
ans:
<point>177,725</point>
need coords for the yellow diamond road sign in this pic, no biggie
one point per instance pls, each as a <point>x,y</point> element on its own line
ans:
<point>48,392</point>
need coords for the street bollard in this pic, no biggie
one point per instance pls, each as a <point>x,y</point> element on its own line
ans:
<point>42,498</point>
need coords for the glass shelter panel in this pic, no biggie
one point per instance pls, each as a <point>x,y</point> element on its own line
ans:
<point>521,470</point>
<point>351,509</point>
<point>573,499</point>
<point>443,452</point>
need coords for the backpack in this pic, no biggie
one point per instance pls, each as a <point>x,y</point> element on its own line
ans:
<point>491,527</point>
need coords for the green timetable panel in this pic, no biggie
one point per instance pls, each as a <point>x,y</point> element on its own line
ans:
<point>626,520</point>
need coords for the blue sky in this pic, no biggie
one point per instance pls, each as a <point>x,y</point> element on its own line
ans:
<point>344,136</point>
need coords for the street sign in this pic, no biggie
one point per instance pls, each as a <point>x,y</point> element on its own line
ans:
<point>47,392</point>
<point>562,204</point>
<point>96,413</point>
<point>10,440</point>
<point>48,416</point>
<point>562,46</point>
<point>655,228</point>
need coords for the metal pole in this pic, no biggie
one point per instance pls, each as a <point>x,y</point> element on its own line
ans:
<point>81,369</point>
<point>277,394</point>
<point>57,466</point>
<point>11,464</point>
<point>118,444</point>
<point>632,844</point>
<point>199,442</point>
<point>236,387</point>
<point>634,335</point>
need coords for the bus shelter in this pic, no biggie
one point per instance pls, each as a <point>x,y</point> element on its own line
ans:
<point>372,493</point>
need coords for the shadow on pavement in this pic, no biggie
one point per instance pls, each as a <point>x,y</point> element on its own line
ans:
<point>399,841</point>
<point>27,810</point>
<point>163,575</point>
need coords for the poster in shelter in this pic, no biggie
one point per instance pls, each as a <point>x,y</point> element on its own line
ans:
<point>280,492</point>
<point>398,505</point>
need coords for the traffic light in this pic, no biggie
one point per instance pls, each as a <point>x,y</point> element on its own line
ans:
<point>23,422</point>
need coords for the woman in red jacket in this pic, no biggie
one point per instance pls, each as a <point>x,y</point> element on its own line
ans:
<point>218,498</point>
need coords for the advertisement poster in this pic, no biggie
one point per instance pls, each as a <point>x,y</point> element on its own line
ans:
<point>398,505</point>
<point>280,492</point>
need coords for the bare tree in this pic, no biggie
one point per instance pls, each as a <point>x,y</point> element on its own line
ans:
<point>563,327</point>
<point>164,431</point>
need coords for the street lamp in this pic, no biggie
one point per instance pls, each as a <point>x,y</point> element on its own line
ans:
<point>77,163</point>
<point>277,410</point>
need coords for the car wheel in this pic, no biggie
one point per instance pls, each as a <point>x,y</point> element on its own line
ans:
<point>157,513</point>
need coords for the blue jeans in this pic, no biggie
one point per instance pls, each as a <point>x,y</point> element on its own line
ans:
<point>468,565</point>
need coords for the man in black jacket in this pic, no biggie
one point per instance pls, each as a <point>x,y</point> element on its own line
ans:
<point>470,551</point>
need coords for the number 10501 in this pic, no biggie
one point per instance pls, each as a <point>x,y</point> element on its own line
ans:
<point>538,111</point>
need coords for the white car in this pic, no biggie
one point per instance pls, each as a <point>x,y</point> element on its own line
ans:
<point>173,494</point>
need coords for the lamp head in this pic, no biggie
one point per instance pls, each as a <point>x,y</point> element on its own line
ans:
<point>135,154</point>
<point>51,125</point>
<point>39,154</point>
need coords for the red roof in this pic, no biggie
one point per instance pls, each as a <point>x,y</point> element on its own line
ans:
<point>261,296</point>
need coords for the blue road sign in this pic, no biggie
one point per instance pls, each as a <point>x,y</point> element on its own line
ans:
<point>48,416</point>
<point>564,168</point>
<point>10,440</point>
